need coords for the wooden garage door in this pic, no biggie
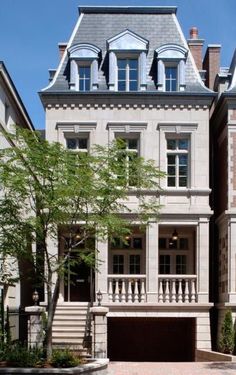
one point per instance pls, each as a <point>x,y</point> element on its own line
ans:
<point>151,339</point>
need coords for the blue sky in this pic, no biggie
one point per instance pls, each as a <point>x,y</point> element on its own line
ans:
<point>30,31</point>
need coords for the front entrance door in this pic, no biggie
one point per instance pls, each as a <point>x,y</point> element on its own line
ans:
<point>79,283</point>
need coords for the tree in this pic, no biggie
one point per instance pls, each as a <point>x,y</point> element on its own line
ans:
<point>50,191</point>
<point>227,337</point>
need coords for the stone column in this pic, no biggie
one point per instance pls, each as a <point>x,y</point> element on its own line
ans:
<point>203,260</point>
<point>73,75</point>
<point>143,71</point>
<point>52,244</point>
<point>152,262</point>
<point>112,70</point>
<point>35,326</point>
<point>181,75</point>
<point>94,74</point>
<point>101,282</point>
<point>160,75</point>
<point>99,331</point>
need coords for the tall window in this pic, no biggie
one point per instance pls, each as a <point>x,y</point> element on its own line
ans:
<point>127,74</point>
<point>171,78</point>
<point>128,161</point>
<point>177,162</point>
<point>84,78</point>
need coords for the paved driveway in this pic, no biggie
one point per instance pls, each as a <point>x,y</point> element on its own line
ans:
<point>172,368</point>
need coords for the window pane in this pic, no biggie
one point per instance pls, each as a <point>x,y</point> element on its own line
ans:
<point>172,244</point>
<point>133,144</point>
<point>87,85</point>
<point>133,86</point>
<point>137,243</point>
<point>133,63</point>
<point>171,181</point>
<point>87,71</point>
<point>83,143</point>
<point>182,181</point>
<point>134,264</point>
<point>183,144</point>
<point>183,243</point>
<point>171,144</point>
<point>164,264</point>
<point>171,170</point>
<point>121,63</point>
<point>121,86</point>
<point>162,243</point>
<point>121,75</point>
<point>133,75</point>
<point>168,86</point>
<point>183,171</point>
<point>171,159</point>
<point>81,85</point>
<point>71,143</point>
<point>181,264</point>
<point>183,159</point>
<point>118,264</point>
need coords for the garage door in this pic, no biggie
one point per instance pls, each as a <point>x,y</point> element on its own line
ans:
<point>151,339</point>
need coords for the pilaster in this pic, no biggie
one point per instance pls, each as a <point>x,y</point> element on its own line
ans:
<point>152,262</point>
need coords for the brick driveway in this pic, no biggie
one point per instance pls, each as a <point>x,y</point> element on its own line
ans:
<point>172,368</point>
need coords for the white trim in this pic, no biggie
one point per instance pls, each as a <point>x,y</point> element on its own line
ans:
<point>65,53</point>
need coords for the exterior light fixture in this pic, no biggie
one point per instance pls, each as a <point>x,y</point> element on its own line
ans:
<point>174,235</point>
<point>99,297</point>
<point>35,297</point>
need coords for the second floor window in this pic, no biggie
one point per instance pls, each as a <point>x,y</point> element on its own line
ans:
<point>177,162</point>
<point>128,160</point>
<point>84,78</point>
<point>127,74</point>
<point>171,78</point>
<point>78,144</point>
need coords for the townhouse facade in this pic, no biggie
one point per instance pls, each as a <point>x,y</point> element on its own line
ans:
<point>12,113</point>
<point>129,72</point>
<point>223,138</point>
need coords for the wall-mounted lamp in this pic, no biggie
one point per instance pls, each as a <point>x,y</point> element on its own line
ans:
<point>174,235</point>
<point>35,297</point>
<point>99,297</point>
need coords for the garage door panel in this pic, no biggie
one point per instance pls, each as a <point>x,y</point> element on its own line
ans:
<point>160,339</point>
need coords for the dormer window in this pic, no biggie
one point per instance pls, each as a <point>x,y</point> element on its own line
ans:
<point>83,67</point>
<point>171,59</point>
<point>127,62</point>
<point>127,74</point>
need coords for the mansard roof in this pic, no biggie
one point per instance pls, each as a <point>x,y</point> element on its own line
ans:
<point>157,26</point>
<point>232,71</point>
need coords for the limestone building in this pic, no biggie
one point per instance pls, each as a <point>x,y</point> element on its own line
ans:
<point>129,72</point>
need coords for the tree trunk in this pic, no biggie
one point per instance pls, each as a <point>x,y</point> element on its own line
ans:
<point>51,307</point>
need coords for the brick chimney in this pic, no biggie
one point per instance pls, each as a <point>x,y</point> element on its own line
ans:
<point>195,45</point>
<point>62,47</point>
<point>211,64</point>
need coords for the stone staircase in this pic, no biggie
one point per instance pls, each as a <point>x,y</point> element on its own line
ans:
<point>71,327</point>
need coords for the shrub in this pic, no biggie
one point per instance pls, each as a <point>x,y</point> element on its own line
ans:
<point>64,358</point>
<point>226,342</point>
<point>20,356</point>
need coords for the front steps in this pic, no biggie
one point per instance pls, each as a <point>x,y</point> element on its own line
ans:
<point>71,327</point>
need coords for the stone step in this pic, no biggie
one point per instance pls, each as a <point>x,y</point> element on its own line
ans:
<point>68,330</point>
<point>68,340</point>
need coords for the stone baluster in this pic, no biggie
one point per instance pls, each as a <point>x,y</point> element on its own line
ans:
<point>129,290</point>
<point>193,290</point>
<point>117,297</point>
<point>180,296</point>
<point>142,290</point>
<point>110,290</point>
<point>136,292</point>
<point>160,291</point>
<point>186,297</point>
<point>167,291</point>
<point>123,291</point>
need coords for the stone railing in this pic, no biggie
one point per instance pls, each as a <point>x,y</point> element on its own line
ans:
<point>127,288</point>
<point>177,289</point>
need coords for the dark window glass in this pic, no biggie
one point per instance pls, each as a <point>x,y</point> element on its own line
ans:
<point>172,244</point>
<point>84,78</point>
<point>183,144</point>
<point>137,243</point>
<point>83,143</point>
<point>164,264</point>
<point>134,264</point>
<point>162,243</point>
<point>181,264</point>
<point>171,144</point>
<point>118,264</point>
<point>121,86</point>
<point>183,243</point>
<point>71,143</point>
<point>171,78</point>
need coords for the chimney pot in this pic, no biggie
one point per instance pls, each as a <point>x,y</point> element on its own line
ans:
<point>194,33</point>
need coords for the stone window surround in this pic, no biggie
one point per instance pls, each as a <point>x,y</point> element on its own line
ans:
<point>171,55</point>
<point>67,129</point>
<point>127,45</point>
<point>83,54</point>
<point>172,129</point>
<point>128,129</point>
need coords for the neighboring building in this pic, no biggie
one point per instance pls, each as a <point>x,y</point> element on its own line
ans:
<point>129,72</point>
<point>12,113</point>
<point>223,135</point>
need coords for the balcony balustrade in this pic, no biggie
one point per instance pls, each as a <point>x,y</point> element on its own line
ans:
<point>171,289</point>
